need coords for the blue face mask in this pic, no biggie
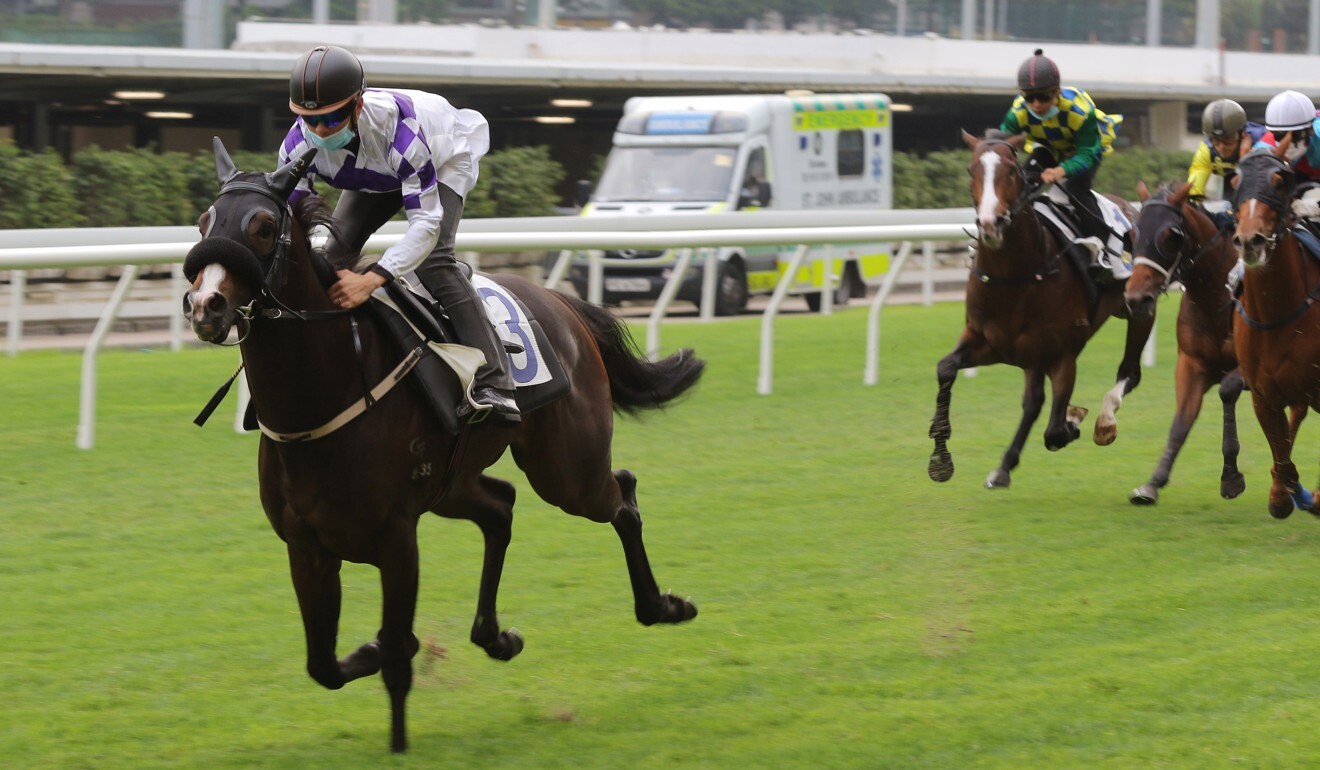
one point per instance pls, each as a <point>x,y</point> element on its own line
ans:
<point>1051,112</point>
<point>336,141</point>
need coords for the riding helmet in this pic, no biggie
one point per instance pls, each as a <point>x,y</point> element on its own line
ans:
<point>1038,73</point>
<point>325,79</point>
<point>1289,111</point>
<point>1223,117</point>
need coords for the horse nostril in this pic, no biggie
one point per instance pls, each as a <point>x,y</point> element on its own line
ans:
<point>188,303</point>
<point>216,304</point>
<point>1257,241</point>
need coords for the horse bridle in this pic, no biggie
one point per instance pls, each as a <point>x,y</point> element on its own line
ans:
<point>1174,271</point>
<point>1277,204</point>
<point>276,274</point>
<point>1023,200</point>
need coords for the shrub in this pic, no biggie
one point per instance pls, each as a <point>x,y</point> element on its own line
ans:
<point>36,190</point>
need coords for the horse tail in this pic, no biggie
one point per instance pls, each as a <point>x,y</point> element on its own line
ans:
<point>635,382</point>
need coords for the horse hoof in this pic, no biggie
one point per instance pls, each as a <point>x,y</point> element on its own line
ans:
<point>1146,494</point>
<point>672,610</point>
<point>1281,510</point>
<point>1105,434</point>
<point>507,646</point>
<point>1232,486</point>
<point>941,466</point>
<point>1075,414</point>
<point>997,479</point>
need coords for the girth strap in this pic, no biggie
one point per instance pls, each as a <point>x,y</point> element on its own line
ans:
<point>357,408</point>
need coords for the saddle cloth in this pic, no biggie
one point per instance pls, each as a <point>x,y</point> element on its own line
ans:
<point>537,374</point>
<point>1058,213</point>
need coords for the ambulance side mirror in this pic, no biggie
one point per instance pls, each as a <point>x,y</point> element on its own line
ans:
<point>754,193</point>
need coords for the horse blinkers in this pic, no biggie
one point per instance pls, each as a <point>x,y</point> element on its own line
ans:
<point>249,239</point>
<point>1271,186</point>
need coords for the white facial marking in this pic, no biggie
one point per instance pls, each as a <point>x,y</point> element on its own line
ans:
<point>212,275</point>
<point>989,201</point>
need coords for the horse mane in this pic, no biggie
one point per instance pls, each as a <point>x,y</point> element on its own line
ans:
<point>312,212</point>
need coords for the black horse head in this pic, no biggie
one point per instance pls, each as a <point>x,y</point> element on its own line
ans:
<point>246,235</point>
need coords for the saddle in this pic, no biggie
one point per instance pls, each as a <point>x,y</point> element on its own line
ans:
<point>1099,263</point>
<point>443,376</point>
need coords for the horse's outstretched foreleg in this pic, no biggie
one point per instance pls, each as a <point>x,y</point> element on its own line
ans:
<point>316,582</point>
<point>1191,382</point>
<point>1129,377</point>
<point>650,605</point>
<point>1286,491</point>
<point>1033,400</point>
<point>1231,481</point>
<point>490,507</point>
<point>968,352</point>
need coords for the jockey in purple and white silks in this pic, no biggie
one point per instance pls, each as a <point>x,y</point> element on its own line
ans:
<point>388,149</point>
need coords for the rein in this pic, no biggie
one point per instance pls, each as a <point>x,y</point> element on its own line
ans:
<point>1051,266</point>
<point>1307,301</point>
<point>272,281</point>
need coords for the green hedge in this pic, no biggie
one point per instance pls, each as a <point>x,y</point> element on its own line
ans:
<point>939,179</point>
<point>102,188</point>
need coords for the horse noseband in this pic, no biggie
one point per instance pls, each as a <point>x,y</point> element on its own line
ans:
<point>229,254</point>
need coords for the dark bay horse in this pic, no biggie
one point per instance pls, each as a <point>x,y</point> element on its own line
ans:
<point>358,492</point>
<point>1175,241</point>
<point>1277,328</point>
<point>1027,306</point>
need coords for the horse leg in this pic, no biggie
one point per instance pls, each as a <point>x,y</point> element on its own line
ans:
<point>1191,383</point>
<point>1033,399</point>
<point>1231,481</point>
<point>1065,419</point>
<point>490,507</point>
<point>568,464</point>
<point>970,351</point>
<point>316,582</point>
<point>649,604</point>
<point>1129,377</point>
<point>1276,429</point>
<point>398,645</point>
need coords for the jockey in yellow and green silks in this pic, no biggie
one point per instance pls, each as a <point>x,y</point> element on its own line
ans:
<point>1068,135</point>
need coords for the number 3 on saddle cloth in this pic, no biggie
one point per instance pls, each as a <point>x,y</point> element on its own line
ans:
<point>1112,258</point>
<point>445,376</point>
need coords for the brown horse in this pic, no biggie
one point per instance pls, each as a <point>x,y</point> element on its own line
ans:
<point>1177,242</point>
<point>1027,305</point>
<point>356,493</point>
<point>1277,329</point>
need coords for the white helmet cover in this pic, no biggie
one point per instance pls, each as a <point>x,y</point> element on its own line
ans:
<point>1289,111</point>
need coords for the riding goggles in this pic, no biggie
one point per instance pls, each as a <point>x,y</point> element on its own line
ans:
<point>330,119</point>
<point>1038,96</point>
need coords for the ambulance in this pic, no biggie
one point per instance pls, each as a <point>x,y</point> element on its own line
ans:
<point>708,154</point>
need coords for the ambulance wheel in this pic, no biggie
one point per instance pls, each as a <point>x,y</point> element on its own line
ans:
<point>731,294</point>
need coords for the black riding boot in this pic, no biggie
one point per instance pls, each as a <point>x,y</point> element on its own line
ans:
<point>493,385</point>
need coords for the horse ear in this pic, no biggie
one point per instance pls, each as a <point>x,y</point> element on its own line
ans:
<point>969,140</point>
<point>1180,195</point>
<point>1143,193</point>
<point>284,179</point>
<point>224,165</point>
<point>1018,141</point>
